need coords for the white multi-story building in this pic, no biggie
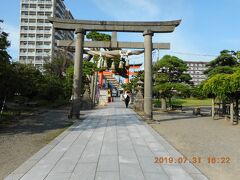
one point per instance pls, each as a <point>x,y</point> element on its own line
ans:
<point>37,36</point>
<point>196,71</point>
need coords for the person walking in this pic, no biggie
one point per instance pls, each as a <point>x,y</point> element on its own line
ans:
<point>126,99</point>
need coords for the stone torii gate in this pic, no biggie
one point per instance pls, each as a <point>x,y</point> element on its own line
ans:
<point>147,28</point>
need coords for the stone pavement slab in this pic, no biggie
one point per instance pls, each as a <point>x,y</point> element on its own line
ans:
<point>111,143</point>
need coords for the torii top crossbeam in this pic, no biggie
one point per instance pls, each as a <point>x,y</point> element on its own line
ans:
<point>118,26</point>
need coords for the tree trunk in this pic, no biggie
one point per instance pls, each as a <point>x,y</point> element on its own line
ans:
<point>163,104</point>
<point>232,112</point>
<point>224,108</point>
<point>236,112</point>
<point>170,102</point>
<point>94,88</point>
<point>213,108</point>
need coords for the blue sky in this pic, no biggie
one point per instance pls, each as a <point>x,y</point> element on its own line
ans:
<point>207,26</point>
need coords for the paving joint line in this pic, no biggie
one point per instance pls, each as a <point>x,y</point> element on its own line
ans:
<point>65,152</point>
<point>117,140</point>
<point>95,127</point>
<point>151,149</point>
<point>101,145</point>
<point>135,151</point>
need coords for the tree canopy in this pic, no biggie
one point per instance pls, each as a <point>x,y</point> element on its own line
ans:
<point>170,77</point>
<point>96,36</point>
<point>171,69</point>
<point>58,64</point>
<point>223,64</point>
<point>133,83</point>
<point>223,86</point>
<point>7,74</point>
<point>4,44</point>
<point>224,76</point>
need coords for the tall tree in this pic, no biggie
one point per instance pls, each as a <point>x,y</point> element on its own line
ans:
<point>96,36</point>
<point>170,78</point>
<point>219,68</point>
<point>4,44</point>
<point>57,65</point>
<point>133,85</point>
<point>7,80</point>
<point>223,64</point>
<point>225,87</point>
<point>28,78</point>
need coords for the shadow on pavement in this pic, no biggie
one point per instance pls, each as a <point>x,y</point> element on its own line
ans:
<point>39,123</point>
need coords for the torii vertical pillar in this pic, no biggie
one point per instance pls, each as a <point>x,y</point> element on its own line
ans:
<point>114,36</point>
<point>77,77</point>
<point>148,74</point>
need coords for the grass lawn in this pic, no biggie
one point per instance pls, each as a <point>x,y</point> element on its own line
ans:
<point>192,102</point>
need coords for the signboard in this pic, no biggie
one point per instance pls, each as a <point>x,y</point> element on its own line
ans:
<point>103,98</point>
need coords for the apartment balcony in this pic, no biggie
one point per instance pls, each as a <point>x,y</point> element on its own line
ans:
<point>58,14</point>
<point>44,39</point>
<point>28,9</point>
<point>27,54</point>
<point>43,32</point>
<point>28,46</point>
<point>44,9</point>
<point>26,16</point>
<point>43,47</point>
<point>34,16</point>
<point>36,9</point>
<point>43,54</point>
<point>30,24</point>
<point>60,8</point>
<point>36,24</point>
<point>37,2</point>
<point>61,4</point>
<point>28,31</point>
<point>27,39</point>
<point>44,24</point>
<point>41,17</point>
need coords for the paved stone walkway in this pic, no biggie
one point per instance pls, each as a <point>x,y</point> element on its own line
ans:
<point>110,144</point>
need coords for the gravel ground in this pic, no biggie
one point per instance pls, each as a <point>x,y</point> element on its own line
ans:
<point>203,137</point>
<point>24,138</point>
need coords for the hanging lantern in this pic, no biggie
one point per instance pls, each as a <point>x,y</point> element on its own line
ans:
<point>105,64</point>
<point>127,63</point>
<point>100,60</point>
<point>113,67</point>
<point>120,65</point>
<point>99,64</point>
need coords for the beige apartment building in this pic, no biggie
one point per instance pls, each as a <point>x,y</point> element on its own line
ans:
<point>37,36</point>
<point>196,71</point>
